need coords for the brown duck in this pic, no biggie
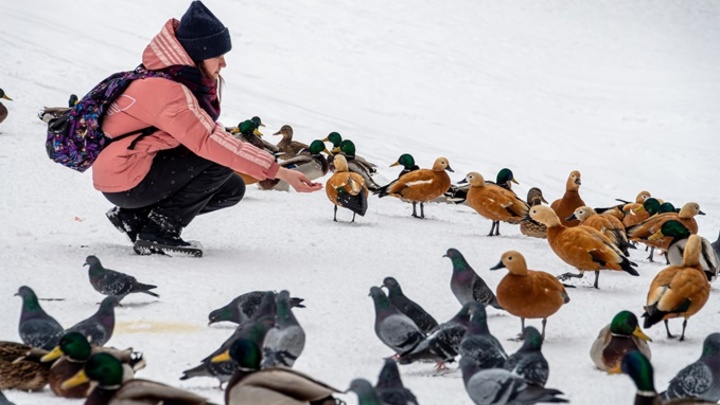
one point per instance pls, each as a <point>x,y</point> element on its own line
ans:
<point>287,148</point>
<point>529,227</point>
<point>565,206</point>
<point>346,189</point>
<point>494,202</point>
<point>608,225</point>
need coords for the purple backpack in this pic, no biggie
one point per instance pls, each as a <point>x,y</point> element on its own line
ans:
<point>75,138</point>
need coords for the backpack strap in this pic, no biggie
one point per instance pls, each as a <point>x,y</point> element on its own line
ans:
<point>143,133</point>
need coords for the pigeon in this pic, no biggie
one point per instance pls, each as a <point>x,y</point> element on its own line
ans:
<point>365,392</point>
<point>407,306</point>
<point>702,378</point>
<point>243,307</point>
<point>98,328</point>
<point>478,344</point>
<point>442,345</point>
<point>37,328</point>
<point>389,387</point>
<point>111,282</point>
<point>285,342</point>
<point>466,284</point>
<point>3,400</point>
<point>498,386</point>
<point>395,329</point>
<point>528,362</point>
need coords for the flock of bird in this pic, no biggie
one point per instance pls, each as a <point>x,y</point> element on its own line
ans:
<point>255,362</point>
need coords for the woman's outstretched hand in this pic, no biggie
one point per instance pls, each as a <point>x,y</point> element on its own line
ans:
<point>297,180</point>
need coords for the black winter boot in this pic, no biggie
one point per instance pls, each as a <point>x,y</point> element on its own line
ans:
<point>161,234</point>
<point>129,222</point>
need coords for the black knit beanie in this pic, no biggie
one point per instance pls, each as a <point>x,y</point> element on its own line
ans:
<point>201,34</point>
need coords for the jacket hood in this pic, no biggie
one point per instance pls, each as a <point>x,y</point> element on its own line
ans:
<point>165,50</point>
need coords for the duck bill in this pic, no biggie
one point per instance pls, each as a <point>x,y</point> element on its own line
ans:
<point>615,370</point>
<point>638,209</point>
<point>657,235</point>
<point>335,150</point>
<point>276,133</point>
<point>641,335</point>
<point>222,357</point>
<point>497,266</point>
<point>701,213</point>
<point>6,97</point>
<point>257,132</point>
<point>448,168</point>
<point>395,164</point>
<point>577,181</point>
<point>54,354</point>
<point>76,380</point>
<point>235,130</point>
<point>514,181</point>
<point>543,200</point>
<point>571,217</point>
<point>463,181</point>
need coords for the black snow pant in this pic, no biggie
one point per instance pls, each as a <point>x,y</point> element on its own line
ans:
<point>181,185</point>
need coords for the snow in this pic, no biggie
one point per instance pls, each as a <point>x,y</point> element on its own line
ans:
<point>624,92</point>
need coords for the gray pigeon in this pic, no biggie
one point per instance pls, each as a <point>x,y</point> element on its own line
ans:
<point>466,284</point>
<point>478,344</point>
<point>498,386</point>
<point>285,342</point>
<point>394,328</point>
<point>528,362</point>
<point>3,400</point>
<point>422,319</point>
<point>37,328</point>
<point>442,345</point>
<point>390,388</point>
<point>111,282</point>
<point>98,328</point>
<point>243,307</point>
<point>702,378</point>
<point>365,392</point>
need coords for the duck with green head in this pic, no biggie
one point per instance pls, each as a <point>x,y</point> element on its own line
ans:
<point>408,163</point>
<point>69,357</point>
<point>310,162</point>
<point>249,131</point>
<point>356,164</point>
<point>335,138</point>
<point>114,389</point>
<point>250,385</point>
<point>639,368</point>
<point>3,109</point>
<point>621,336</point>
<point>709,260</point>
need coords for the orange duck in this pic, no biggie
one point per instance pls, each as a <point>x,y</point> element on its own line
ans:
<point>528,227</point>
<point>641,232</point>
<point>678,291</point>
<point>346,189</point>
<point>528,293</point>
<point>608,225</point>
<point>582,247</point>
<point>632,212</point>
<point>494,202</point>
<point>565,206</point>
<point>420,186</point>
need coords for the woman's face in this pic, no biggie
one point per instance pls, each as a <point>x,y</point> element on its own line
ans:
<point>213,66</point>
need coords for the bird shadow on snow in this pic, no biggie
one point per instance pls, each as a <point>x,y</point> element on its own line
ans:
<point>135,304</point>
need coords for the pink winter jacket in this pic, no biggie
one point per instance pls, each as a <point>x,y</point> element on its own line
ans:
<point>171,107</point>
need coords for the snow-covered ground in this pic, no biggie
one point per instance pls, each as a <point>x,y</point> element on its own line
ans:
<point>624,91</point>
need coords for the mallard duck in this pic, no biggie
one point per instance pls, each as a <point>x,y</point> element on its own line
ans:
<point>287,148</point>
<point>528,293</point>
<point>628,208</point>
<point>310,162</point>
<point>642,231</point>
<point>457,194</point>
<point>347,189</point>
<point>494,202</point>
<point>639,368</point>
<point>420,186</point>
<point>21,368</point>
<point>616,339</point>
<point>565,206</point>
<point>275,385</point>
<point>700,379</point>
<point>49,113</point>
<point>608,225</point>
<point>248,131</point>
<point>678,291</point>
<point>528,226</point>
<point>709,260</point>
<point>408,163</point>
<point>356,164</point>
<point>3,109</point>
<point>113,389</point>
<point>70,356</point>
<point>582,247</point>
<point>335,138</point>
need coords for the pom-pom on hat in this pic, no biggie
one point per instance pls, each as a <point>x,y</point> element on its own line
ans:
<point>201,34</point>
